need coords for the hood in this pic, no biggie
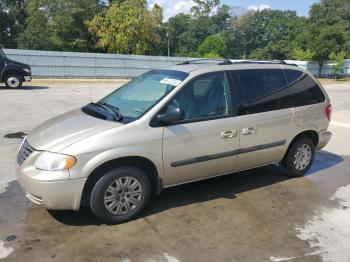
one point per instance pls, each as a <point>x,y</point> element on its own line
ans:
<point>64,130</point>
<point>8,61</point>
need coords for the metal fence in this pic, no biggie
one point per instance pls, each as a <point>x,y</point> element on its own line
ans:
<point>49,64</point>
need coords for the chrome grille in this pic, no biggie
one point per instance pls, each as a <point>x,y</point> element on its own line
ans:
<point>24,152</point>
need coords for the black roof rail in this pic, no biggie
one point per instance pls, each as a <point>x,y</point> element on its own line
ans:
<point>277,62</point>
<point>223,61</point>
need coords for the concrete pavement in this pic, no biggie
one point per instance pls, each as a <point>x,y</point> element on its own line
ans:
<point>258,215</point>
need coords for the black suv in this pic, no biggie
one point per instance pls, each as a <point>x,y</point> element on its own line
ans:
<point>13,73</point>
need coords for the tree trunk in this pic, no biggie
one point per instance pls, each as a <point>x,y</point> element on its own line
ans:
<point>320,64</point>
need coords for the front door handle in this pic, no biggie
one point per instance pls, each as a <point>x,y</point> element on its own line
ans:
<point>249,130</point>
<point>229,134</point>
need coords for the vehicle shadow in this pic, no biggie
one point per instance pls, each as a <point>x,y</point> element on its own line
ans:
<point>25,88</point>
<point>324,160</point>
<point>227,187</point>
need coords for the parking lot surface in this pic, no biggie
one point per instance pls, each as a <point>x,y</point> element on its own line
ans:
<point>257,215</point>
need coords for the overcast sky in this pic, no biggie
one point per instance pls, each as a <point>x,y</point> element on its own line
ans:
<point>173,7</point>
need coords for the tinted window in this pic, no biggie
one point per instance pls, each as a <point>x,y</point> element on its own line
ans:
<point>260,90</point>
<point>304,89</point>
<point>205,96</point>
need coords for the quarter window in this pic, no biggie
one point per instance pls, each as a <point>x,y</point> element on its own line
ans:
<point>260,90</point>
<point>204,97</point>
<point>304,90</point>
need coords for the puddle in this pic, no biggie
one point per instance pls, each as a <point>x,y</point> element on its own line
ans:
<point>19,135</point>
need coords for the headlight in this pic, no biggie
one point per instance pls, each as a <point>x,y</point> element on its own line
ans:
<point>54,161</point>
<point>26,70</point>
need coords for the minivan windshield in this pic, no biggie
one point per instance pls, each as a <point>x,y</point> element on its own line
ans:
<point>136,97</point>
<point>2,54</point>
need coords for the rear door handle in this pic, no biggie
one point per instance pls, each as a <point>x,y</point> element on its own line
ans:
<point>229,134</point>
<point>249,130</point>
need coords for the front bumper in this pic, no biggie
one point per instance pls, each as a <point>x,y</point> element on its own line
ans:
<point>27,78</point>
<point>323,139</point>
<point>57,195</point>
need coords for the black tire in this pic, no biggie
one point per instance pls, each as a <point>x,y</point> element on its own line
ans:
<point>13,81</point>
<point>97,198</point>
<point>297,170</point>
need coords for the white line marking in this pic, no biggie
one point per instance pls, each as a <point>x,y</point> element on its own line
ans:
<point>341,124</point>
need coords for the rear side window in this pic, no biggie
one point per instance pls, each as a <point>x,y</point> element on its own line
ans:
<point>304,90</point>
<point>260,90</point>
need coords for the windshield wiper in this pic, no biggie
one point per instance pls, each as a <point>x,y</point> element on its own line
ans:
<point>113,115</point>
<point>112,109</point>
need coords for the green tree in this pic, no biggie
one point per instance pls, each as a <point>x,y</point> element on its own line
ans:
<point>204,7</point>
<point>5,36</point>
<point>59,25</point>
<point>176,26</point>
<point>338,61</point>
<point>266,34</point>
<point>37,33</point>
<point>128,28</point>
<point>213,46</point>
<point>68,17</point>
<point>12,20</point>
<point>301,54</point>
<point>200,27</point>
<point>327,30</point>
<point>322,41</point>
<point>331,12</point>
<point>272,51</point>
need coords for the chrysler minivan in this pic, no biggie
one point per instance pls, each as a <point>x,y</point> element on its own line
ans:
<point>172,126</point>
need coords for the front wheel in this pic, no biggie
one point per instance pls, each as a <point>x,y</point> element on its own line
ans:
<point>120,195</point>
<point>13,81</point>
<point>299,157</point>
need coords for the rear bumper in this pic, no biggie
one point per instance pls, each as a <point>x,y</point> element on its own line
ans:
<point>57,195</point>
<point>323,139</point>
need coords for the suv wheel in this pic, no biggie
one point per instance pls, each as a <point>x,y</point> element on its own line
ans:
<point>13,81</point>
<point>299,158</point>
<point>120,195</point>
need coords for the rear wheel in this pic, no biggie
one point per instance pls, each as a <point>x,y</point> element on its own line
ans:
<point>13,81</point>
<point>299,157</point>
<point>120,195</point>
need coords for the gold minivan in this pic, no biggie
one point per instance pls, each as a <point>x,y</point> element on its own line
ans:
<point>193,121</point>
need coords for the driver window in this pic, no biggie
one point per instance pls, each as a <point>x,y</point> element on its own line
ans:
<point>206,96</point>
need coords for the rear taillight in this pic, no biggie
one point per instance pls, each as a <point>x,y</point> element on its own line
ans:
<point>328,111</point>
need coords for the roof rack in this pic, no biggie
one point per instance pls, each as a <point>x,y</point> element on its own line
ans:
<point>224,61</point>
<point>277,62</point>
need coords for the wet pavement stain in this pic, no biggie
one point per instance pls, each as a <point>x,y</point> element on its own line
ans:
<point>240,217</point>
<point>19,135</point>
<point>10,238</point>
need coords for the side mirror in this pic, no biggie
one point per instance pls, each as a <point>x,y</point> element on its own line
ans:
<point>171,115</point>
